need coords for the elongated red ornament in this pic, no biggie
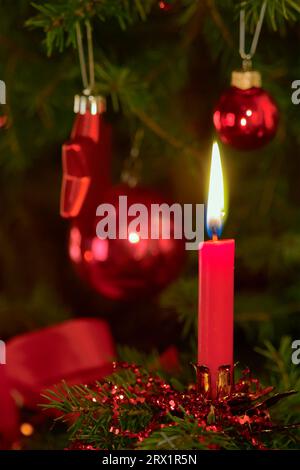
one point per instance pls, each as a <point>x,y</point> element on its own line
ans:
<point>86,159</point>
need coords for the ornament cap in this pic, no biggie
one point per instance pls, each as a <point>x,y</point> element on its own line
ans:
<point>93,104</point>
<point>246,79</point>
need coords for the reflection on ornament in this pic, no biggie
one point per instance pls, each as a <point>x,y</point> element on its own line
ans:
<point>133,237</point>
<point>125,268</point>
<point>100,249</point>
<point>74,245</point>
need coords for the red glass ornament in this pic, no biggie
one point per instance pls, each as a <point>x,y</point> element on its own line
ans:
<point>124,269</point>
<point>3,121</point>
<point>4,118</point>
<point>86,160</point>
<point>165,5</point>
<point>246,119</point>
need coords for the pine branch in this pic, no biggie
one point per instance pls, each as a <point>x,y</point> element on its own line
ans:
<point>58,18</point>
<point>279,362</point>
<point>132,93</point>
<point>183,298</point>
<point>126,410</point>
<point>187,434</point>
<point>278,12</point>
<point>92,418</point>
<point>219,22</point>
<point>165,135</point>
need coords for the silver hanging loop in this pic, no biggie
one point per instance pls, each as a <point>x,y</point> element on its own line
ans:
<point>88,82</point>
<point>247,57</point>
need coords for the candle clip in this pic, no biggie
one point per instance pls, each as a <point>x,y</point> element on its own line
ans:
<point>224,381</point>
<point>203,380</point>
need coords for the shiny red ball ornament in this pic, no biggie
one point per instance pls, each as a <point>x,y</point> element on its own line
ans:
<point>165,5</point>
<point>125,269</point>
<point>246,116</point>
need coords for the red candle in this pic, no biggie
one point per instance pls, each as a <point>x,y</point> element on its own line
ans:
<point>216,283</point>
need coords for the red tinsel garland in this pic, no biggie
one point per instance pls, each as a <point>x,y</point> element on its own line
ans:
<point>244,413</point>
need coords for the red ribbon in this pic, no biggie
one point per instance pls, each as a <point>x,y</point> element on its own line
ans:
<point>77,351</point>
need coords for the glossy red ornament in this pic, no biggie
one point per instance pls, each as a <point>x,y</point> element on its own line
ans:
<point>4,109</point>
<point>165,5</point>
<point>246,119</point>
<point>86,159</point>
<point>124,269</point>
<point>4,121</point>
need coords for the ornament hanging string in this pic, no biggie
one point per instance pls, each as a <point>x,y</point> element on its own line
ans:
<point>130,174</point>
<point>88,83</point>
<point>248,57</point>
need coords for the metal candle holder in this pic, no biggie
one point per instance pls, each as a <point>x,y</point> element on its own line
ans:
<point>224,383</point>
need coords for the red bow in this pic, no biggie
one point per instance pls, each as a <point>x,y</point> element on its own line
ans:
<point>77,351</point>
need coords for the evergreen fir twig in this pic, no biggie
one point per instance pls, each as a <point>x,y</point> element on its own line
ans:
<point>94,417</point>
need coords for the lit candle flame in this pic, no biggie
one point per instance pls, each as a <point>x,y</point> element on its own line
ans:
<point>215,203</point>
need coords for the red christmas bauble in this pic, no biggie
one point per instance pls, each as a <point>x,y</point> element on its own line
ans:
<point>246,119</point>
<point>4,121</point>
<point>124,269</point>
